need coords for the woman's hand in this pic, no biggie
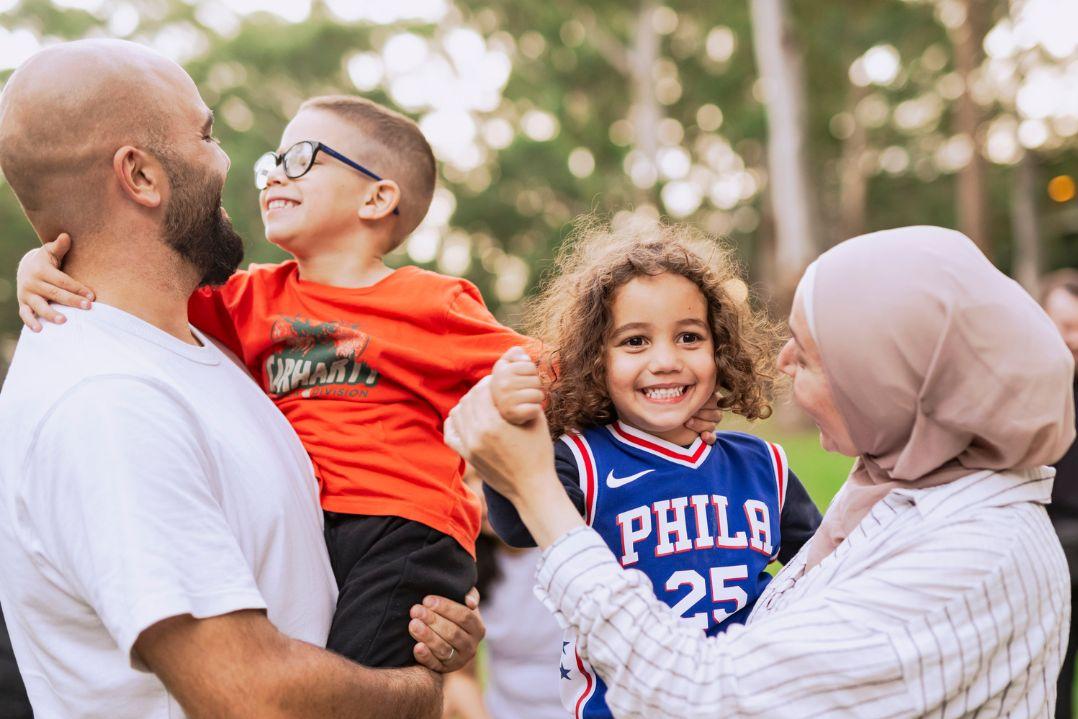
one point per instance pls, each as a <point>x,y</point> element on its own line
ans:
<point>39,281</point>
<point>447,633</point>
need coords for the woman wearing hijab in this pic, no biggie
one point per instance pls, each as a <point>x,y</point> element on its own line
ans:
<point>934,587</point>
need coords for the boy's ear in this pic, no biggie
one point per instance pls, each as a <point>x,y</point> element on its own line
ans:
<point>141,176</point>
<point>381,199</point>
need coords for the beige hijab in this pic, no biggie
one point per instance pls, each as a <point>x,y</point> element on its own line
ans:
<point>939,363</point>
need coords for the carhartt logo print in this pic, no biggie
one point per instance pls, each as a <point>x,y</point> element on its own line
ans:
<point>317,358</point>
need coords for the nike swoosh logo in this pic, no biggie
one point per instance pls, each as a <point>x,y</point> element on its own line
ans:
<point>615,482</point>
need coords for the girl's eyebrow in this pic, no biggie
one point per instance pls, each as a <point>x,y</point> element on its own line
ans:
<point>630,326</point>
<point>692,321</point>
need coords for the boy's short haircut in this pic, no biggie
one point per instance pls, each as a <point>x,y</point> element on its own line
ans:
<point>394,148</point>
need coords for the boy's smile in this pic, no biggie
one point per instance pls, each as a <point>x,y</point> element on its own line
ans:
<point>321,207</point>
<point>660,357</point>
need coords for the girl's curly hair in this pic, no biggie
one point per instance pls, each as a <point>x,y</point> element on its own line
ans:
<point>572,317</point>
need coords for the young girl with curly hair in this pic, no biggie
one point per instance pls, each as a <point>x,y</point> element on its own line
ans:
<point>641,325</point>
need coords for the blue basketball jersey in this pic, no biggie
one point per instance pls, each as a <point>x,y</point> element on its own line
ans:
<point>702,522</point>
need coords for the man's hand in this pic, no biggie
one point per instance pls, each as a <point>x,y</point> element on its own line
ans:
<point>447,633</point>
<point>516,387</point>
<point>39,281</point>
<point>706,420</point>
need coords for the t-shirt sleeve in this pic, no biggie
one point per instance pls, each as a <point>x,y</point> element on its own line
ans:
<point>208,311</point>
<point>473,338</point>
<point>800,518</point>
<point>122,497</point>
<point>503,515</point>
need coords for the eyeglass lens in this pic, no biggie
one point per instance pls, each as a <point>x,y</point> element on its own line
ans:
<point>296,160</point>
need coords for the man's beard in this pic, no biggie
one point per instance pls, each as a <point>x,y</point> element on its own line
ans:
<point>195,224</point>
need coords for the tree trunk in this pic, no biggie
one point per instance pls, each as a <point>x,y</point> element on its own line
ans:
<point>1024,225</point>
<point>853,184</point>
<point>778,60</point>
<point>645,113</point>
<point>971,194</point>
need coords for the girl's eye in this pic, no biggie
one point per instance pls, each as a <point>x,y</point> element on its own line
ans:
<point>636,341</point>
<point>691,337</point>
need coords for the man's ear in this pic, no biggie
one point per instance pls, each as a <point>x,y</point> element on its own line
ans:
<point>381,199</point>
<point>140,175</point>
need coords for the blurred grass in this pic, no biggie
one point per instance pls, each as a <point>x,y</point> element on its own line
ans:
<point>821,472</point>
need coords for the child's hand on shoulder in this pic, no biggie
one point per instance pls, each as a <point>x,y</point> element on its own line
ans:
<point>516,387</point>
<point>706,420</point>
<point>39,281</point>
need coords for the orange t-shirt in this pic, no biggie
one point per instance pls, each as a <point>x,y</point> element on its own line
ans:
<point>366,377</point>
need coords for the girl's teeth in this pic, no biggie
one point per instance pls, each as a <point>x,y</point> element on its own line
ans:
<point>664,393</point>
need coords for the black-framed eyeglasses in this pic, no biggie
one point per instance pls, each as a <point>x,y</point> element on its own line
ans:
<point>298,161</point>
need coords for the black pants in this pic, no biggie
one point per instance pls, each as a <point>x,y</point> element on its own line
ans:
<point>383,566</point>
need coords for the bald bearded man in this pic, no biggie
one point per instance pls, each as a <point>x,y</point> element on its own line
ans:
<point>159,523</point>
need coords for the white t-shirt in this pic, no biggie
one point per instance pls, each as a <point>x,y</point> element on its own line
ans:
<point>143,478</point>
<point>524,644</point>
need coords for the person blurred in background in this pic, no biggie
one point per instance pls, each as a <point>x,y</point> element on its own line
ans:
<point>1060,300</point>
<point>522,644</point>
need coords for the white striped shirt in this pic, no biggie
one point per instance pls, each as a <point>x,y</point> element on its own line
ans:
<point>952,601</point>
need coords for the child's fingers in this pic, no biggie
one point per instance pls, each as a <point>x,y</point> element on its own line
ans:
<point>522,413</point>
<point>40,307</point>
<point>58,247</point>
<point>516,353</point>
<point>53,293</point>
<point>28,318</point>
<point>471,599</point>
<point>524,396</point>
<point>67,283</point>
<point>700,424</point>
<point>505,387</point>
<point>520,369</point>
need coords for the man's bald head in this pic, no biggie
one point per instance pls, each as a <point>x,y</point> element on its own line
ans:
<point>67,110</point>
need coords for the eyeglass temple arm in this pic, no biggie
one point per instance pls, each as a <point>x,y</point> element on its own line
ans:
<point>354,165</point>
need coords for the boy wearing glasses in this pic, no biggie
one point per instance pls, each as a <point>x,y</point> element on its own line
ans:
<point>364,361</point>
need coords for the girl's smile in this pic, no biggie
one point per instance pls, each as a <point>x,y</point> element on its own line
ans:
<point>660,357</point>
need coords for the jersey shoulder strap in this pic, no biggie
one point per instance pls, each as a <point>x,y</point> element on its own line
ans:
<point>587,470</point>
<point>767,452</point>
